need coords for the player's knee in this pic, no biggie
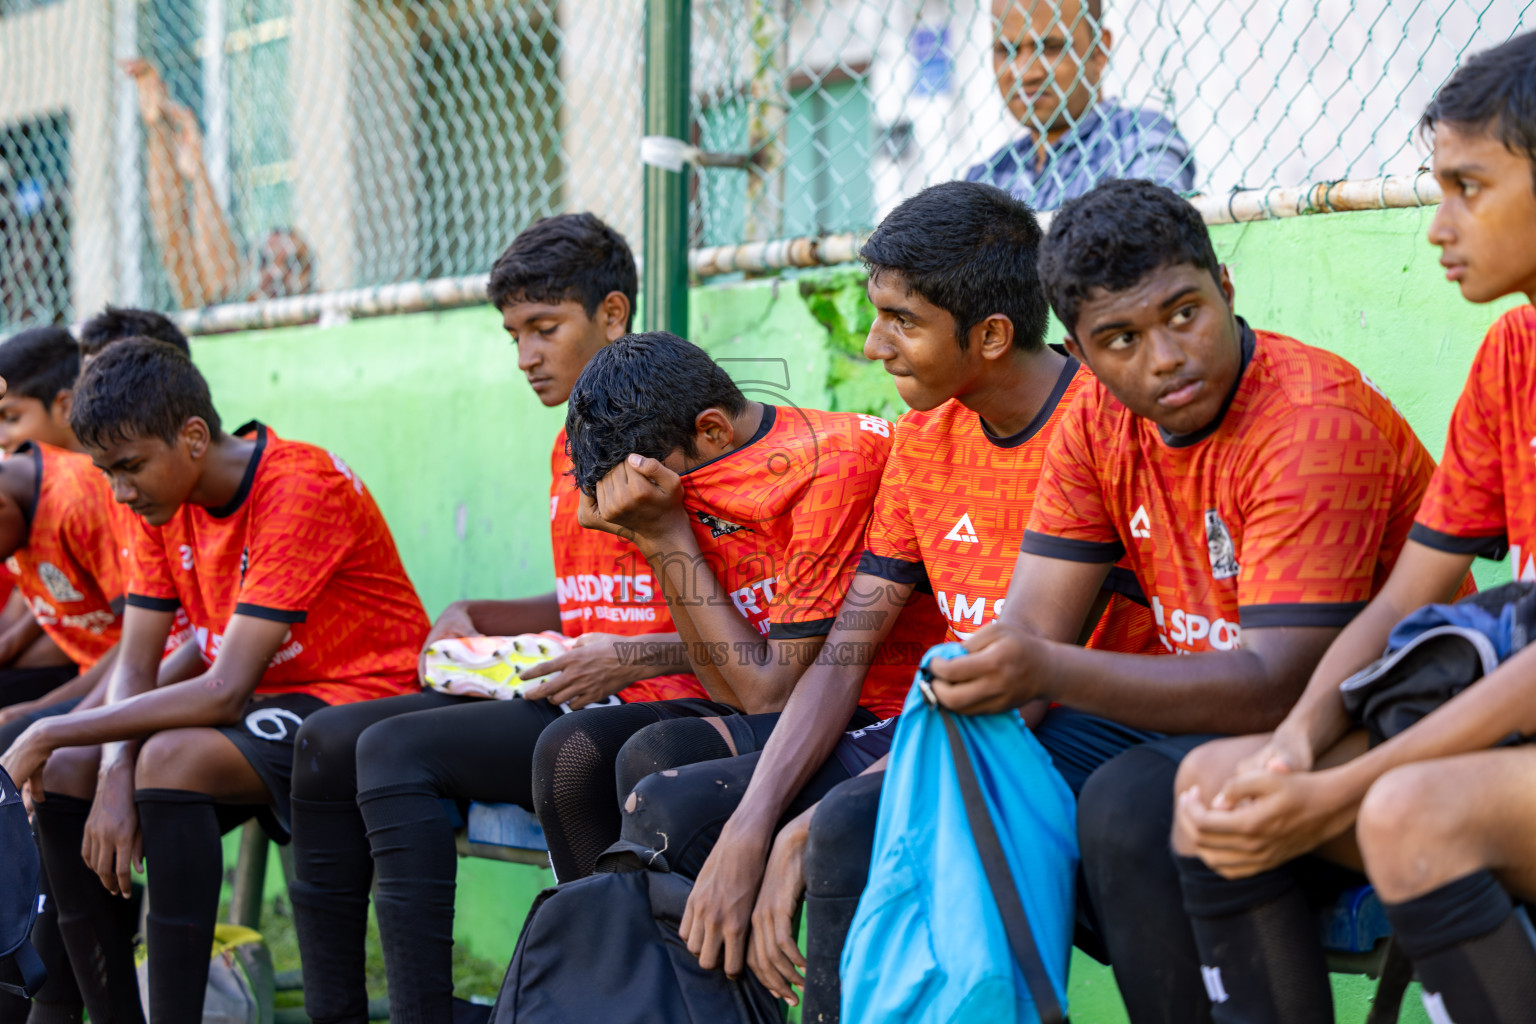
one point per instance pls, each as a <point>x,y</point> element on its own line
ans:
<point>664,745</point>
<point>1125,810</point>
<point>72,772</point>
<point>1406,821</point>
<point>173,759</point>
<point>1210,765</point>
<point>394,752</point>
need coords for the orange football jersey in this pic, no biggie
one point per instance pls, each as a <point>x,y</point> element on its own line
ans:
<point>303,543</point>
<point>781,522</point>
<point>1288,510</point>
<point>1482,500</point>
<point>70,570</point>
<point>603,585</point>
<point>121,519</point>
<point>952,508</point>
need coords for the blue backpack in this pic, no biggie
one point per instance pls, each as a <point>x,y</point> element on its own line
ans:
<point>968,913</point>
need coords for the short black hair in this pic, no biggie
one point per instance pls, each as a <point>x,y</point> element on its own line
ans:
<point>1493,92</point>
<point>642,394</point>
<point>970,249</point>
<point>39,363</point>
<point>138,388</point>
<point>1113,236</point>
<point>114,324</point>
<point>568,256</point>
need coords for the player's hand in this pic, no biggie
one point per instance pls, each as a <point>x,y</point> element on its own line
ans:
<point>719,910</point>
<point>149,86</point>
<point>15,711</point>
<point>772,952</point>
<point>1263,819</point>
<point>589,672</point>
<point>1285,752</point>
<point>113,845</point>
<point>452,624</point>
<point>1005,668</point>
<point>186,141</point>
<point>23,761</point>
<point>640,500</point>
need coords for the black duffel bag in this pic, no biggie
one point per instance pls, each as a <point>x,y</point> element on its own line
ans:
<point>606,948</point>
<point>21,972</point>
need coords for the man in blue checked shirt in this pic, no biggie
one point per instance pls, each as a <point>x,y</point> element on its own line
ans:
<point>1049,56</point>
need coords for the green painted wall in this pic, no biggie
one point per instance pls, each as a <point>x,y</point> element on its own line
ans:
<point>431,411</point>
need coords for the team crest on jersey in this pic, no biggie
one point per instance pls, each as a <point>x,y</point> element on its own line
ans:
<point>719,527</point>
<point>58,584</point>
<point>1219,541</point>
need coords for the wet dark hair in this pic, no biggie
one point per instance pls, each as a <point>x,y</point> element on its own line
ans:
<point>970,249</point>
<point>1494,92</point>
<point>569,256</point>
<point>642,394</point>
<point>139,388</point>
<point>113,324</point>
<point>40,363</point>
<point>1115,235</point>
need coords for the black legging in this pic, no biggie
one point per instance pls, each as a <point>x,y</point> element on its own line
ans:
<point>837,855</point>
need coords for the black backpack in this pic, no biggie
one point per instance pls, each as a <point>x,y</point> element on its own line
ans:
<point>605,948</point>
<point>21,972</point>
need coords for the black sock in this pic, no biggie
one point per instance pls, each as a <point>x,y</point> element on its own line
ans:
<point>1474,950</point>
<point>185,864</point>
<point>1260,953</point>
<point>416,864</point>
<point>95,927</point>
<point>837,856</point>
<point>58,1001</point>
<point>333,871</point>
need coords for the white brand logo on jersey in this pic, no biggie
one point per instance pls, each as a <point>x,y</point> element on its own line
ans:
<point>1223,554</point>
<point>1213,986</point>
<point>875,425</point>
<point>963,531</point>
<point>554,507</point>
<point>186,556</point>
<point>57,583</point>
<point>1434,1007</point>
<point>1141,523</point>
<point>346,471</point>
<point>1523,566</point>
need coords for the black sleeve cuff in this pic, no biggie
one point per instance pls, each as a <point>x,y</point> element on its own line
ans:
<point>1124,582</point>
<point>1269,616</point>
<point>800,630</point>
<point>257,611</point>
<point>1494,547</point>
<point>152,604</point>
<point>897,570</point>
<point>1069,550</point>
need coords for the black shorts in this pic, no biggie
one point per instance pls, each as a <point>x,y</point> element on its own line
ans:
<point>867,740</point>
<point>265,736</point>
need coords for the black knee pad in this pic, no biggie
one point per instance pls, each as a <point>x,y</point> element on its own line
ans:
<point>677,814</point>
<point>1126,807</point>
<point>663,745</point>
<point>391,749</point>
<point>842,838</point>
<point>325,754</point>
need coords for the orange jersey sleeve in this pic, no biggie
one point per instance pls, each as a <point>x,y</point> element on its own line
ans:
<point>1482,499</point>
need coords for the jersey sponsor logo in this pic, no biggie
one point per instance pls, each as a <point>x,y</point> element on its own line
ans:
<point>1219,542</point>
<point>1213,986</point>
<point>592,588</point>
<point>875,425</point>
<point>58,585</point>
<point>45,613</point>
<point>960,608</point>
<point>92,622</point>
<point>346,471</point>
<point>753,600</point>
<point>1176,626</point>
<point>186,556</point>
<point>271,723</point>
<point>1141,523</point>
<point>719,527</point>
<point>963,531</point>
<point>209,643</point>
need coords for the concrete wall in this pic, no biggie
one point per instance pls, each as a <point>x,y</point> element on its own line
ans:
<point>432,412</point>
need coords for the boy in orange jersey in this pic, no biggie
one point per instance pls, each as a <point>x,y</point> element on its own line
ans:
<point>959,325</point>
<point>1444,823</point>
<point>1260,490</point>
<point>297,598</point>
<point>371,779</point>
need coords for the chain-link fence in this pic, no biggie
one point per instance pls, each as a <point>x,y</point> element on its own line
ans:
<point>185,153</point>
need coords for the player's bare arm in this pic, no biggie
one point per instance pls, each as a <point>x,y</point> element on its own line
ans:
<point>719,911</point>
<point>641,499</point>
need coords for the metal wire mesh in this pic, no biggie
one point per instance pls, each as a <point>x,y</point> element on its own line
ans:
<point>316,145</point>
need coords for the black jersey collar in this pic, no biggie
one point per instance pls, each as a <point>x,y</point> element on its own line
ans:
<point>1250,342</point>
<point>1041,418</point>
<point>232,506</point>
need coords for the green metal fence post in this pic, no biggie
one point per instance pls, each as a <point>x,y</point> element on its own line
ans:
<point>667,30</point>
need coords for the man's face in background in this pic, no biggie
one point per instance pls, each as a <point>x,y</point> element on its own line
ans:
<point>1048,56</point>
